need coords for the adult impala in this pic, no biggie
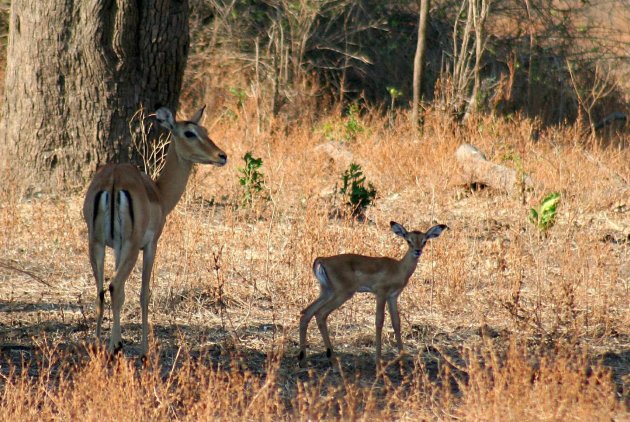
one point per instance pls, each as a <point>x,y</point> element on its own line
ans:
<point>341,276</point>
<point>126,210</point>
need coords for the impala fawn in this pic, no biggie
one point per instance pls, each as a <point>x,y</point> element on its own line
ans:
<point>341,276</point>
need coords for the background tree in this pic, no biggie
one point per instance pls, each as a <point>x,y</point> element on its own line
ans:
<point>76,73</point>
<point>418,62</point>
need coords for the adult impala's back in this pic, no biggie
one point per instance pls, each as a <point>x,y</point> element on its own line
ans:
<point>126,210</point>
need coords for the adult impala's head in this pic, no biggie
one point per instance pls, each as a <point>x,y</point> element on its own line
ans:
<point>416,239</point>
<point>191,140</point>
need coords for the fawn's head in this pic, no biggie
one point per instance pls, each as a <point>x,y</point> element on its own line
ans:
<point>191,140</point>
<point>417,239</point>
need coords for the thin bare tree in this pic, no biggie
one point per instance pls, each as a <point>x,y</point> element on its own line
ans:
<point>418,62</point>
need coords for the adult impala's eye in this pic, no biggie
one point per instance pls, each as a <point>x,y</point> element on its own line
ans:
<point>190,134</point>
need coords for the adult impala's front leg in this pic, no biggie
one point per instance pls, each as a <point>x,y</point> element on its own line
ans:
<point>148,258</point>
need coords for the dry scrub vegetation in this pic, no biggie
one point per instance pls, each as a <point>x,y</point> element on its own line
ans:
<point>499,323</point>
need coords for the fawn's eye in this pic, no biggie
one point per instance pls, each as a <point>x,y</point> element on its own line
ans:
<point>190,134</point>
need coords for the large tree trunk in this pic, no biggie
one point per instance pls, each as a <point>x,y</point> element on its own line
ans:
<point>77,71</point>
<point>418,62</point>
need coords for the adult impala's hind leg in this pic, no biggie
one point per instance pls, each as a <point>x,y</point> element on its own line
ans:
<point>126,259</point>
<point>97,260</point>
<point>97,232</point>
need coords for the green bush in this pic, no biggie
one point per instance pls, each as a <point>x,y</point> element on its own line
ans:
<point>252,180</point>
<point>356,195</point>
<point>544,217</point>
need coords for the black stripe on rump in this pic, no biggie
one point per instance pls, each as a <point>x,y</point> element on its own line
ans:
<point>97,199</point>
<point>128,195</point>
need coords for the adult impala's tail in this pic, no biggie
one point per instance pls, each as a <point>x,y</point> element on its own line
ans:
<point>113,220</point>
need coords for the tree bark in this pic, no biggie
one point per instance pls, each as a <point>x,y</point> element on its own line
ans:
<point>76,74</point>
<point>418,62</point>
<point>480,10</point>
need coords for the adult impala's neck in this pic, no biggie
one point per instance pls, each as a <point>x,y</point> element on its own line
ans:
<point>173,179</point>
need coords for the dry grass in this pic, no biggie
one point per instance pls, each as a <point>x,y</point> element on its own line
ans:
<point>499,323</point>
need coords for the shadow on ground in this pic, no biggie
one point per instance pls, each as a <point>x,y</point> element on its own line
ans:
<point>25,343</point>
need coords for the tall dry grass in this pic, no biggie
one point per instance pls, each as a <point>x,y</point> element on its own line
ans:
<point>499,322</point>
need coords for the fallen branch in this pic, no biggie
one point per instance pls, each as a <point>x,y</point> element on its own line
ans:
<point>28,273</point>
<point>477,169</point>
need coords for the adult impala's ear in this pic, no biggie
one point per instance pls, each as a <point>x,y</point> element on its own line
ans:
<point>198,115</point>
<point>398,229</point>
<point>435,231</point>
<point>165,118</point>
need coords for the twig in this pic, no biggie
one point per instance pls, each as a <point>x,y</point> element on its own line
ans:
<point>28,273</point>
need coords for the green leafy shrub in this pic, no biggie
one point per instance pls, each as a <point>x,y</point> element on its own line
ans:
<point>544,217</point>
<point>353,125</point>
<point>252,180</point>
<point>356,195</point>
<point>346,128</point>
<point>240,95</point>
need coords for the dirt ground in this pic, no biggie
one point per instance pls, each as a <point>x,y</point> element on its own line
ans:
<point>231,279</point>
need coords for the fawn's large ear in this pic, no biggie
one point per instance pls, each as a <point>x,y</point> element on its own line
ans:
<point>435,231</point>
<point>165,118</point>
<point>198,115</point>
<point>398,229</point>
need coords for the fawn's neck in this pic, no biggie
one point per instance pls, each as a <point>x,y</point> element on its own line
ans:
<point>409,262</point>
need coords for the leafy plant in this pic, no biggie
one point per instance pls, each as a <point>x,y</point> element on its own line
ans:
<point>353,125</point>
<point>544,217</point>
<point>240,96</point>
<point>356,194</point>
<point>346,128</point>
<point>252,179</point>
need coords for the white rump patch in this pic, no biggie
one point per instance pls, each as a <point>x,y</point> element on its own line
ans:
<point>122,215</point>
<point>322,277</point>
<point>103,212</point>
